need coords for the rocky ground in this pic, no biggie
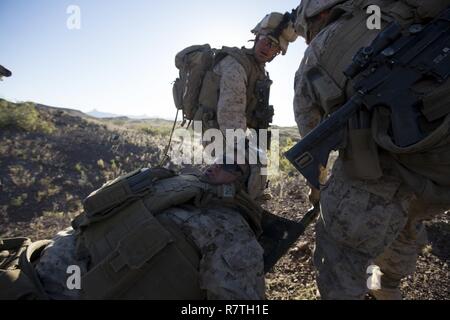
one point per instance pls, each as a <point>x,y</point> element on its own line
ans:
<point>294,278</point>
<point>44,177</point>
<point>50,174</point>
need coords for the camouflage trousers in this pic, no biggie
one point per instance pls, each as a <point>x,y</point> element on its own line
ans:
<point>367,223</point>
<point>53,265</point>
<point>231,266</point>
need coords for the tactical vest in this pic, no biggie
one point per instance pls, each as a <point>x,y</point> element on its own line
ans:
<point>424,166</point>
<point>258,112</point>
<point>136,253</point>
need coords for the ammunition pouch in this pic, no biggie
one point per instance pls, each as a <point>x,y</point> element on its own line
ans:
<point>361,159</point>
<point>261,116</point>
<point>207,117</point>
<point>136,256</point>
<point>423,166</point>
<point>328,92</point>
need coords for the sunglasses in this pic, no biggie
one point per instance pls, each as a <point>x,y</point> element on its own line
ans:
<point>272,44</point>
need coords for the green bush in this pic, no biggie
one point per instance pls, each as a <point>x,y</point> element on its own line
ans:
<point>285,165</point>
<point>17,202</point>
<point>79,167</point>
<point>101,164</point>
<point>23,116</point>
<point>119,123</point>
<point>161,131</point>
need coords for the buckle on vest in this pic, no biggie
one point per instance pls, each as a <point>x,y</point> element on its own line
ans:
<point>227,191</point>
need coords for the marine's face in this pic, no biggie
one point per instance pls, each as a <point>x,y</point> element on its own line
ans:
<point>217,174</point>
<point>266,50</point>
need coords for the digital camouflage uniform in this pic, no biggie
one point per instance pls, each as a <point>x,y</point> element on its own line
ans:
<point>232,110</point>
<point>238,103</point>
<point>52,266</point>
<point>363,222</point>
<point>231,107</point>
<point>231,265</point>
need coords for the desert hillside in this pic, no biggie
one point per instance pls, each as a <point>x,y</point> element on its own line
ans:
<point>51,158</point>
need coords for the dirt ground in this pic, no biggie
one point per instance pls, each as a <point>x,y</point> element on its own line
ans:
<point>294,276</point>
<point>43,179</point>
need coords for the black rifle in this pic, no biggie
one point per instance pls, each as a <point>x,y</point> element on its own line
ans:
<point>4,72</point>
<point>279,234</point>
<point>264,112</point>
<point>383,74</point>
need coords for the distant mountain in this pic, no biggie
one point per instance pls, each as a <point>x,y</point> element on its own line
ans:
<point>98,114</point>
<point>105,115</point>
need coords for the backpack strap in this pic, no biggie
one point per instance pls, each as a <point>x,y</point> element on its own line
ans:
<point>237,54</point>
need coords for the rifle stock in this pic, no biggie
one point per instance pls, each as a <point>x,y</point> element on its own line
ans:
<point>280,234</point>
<point>312,152</point>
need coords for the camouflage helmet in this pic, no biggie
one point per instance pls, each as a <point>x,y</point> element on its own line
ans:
<point>270,27</point>
<point>308,9</point>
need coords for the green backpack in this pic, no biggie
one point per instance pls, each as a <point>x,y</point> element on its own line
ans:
<point>193,64</point>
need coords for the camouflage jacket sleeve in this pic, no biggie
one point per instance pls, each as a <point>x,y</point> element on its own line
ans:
<point>307,110</point>
<point>315,90</point>
<point>233,95</point>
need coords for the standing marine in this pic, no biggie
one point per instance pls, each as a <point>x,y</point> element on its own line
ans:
<point>374,204</point>
<point>229,88</point>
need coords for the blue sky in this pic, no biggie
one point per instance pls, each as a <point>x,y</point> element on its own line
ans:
<point>122,59</point>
